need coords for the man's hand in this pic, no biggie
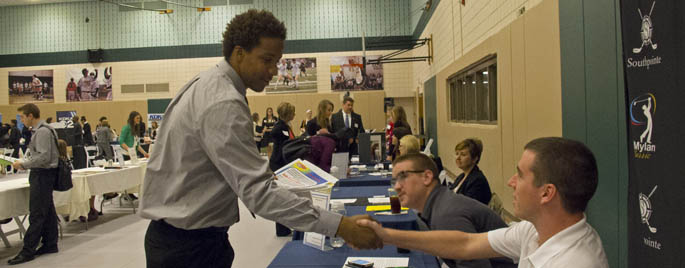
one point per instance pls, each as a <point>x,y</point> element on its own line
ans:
<point>375,226</point>
<point>17,165</point>
<point>358,237</point>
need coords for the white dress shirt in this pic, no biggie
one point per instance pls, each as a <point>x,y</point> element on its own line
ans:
<point>578,245</point>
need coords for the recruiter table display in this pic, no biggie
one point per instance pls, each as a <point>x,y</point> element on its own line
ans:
<point>295,254</point>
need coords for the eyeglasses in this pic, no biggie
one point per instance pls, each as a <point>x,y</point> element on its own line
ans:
<point>402,175</point>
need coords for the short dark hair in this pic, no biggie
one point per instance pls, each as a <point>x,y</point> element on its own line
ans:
<point>83,118</point>
<point>28,109</point>
<point>103,118</point>
<point>247,28</point>
<point>348,99</point>
<point>567,164</point>
<point>474,145</point>
<point>419,161</point>
<point>14,121</point>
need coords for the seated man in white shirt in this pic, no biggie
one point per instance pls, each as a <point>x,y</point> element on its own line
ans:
<point>555,179</point>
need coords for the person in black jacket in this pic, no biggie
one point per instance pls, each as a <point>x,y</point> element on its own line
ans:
<point>321,123</point>
<point>347,118</point>
<point>281,133</point>
<point>472,182</point>
<point>268,123</point>
<point>87,132</point>
<point>15,137</point>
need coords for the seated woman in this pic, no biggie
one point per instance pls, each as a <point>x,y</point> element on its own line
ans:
<point>397,134</point>
<point>409,144</point>
<point>472,182</point>
<point>322,122</point>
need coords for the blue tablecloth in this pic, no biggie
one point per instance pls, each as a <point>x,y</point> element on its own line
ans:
<point>296,254</point>
<point>402,221</point>
<point>356,192</point>
<point>365,180</point>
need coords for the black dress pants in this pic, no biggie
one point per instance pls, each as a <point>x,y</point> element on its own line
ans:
<point>167,246</point>
<point>42,217</point>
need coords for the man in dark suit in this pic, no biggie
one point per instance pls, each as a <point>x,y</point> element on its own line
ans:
<point>347,118</point>
<point>87,133</point>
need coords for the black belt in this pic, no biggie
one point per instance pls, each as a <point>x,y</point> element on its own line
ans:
<point>203,232</point>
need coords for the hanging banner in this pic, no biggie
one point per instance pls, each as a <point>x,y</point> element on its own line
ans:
<point>654,78</point>
<point>65,117</point>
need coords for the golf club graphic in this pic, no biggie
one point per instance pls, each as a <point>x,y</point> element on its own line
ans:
<point>646,31</point>
<point>646,208</point>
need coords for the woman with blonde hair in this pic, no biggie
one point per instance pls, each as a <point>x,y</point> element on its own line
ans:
<point>322,122</point>
<point>409,144</point>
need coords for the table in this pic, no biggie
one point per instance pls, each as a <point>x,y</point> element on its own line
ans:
<point>365,180</point>
<point>357,192</point>
<point>295,254</point>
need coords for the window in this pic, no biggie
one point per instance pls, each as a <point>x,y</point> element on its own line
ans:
<point>472,93</point>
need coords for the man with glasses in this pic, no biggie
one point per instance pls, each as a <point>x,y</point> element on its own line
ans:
<point>554,181</point>
<point>419,188</point>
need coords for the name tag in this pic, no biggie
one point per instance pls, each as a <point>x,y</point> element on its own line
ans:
<point>286,133</point>
<point>356,125</point>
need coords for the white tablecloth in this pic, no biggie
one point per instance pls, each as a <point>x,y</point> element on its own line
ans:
<point>14,190</point>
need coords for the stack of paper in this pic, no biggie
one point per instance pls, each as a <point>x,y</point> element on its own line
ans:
<point>303,175</point>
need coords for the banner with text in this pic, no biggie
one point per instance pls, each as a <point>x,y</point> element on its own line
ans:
<point>654,79</point>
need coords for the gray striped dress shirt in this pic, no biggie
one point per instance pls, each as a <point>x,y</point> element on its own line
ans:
<point>205,159</point>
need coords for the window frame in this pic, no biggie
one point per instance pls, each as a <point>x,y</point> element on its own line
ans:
<point>478,94</point>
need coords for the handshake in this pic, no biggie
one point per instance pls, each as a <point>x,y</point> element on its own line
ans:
<point>358,236</point>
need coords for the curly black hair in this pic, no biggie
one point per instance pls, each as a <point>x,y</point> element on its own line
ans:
<point>245,30</point>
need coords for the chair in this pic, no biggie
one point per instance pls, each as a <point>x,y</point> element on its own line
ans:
<point>8,152</point>
<point>90,157</point>
<point>20,229</point>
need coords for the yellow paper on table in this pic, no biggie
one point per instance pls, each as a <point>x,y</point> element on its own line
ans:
<point>380,208</point>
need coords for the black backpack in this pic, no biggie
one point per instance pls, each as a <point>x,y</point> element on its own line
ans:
<point>299,147</point>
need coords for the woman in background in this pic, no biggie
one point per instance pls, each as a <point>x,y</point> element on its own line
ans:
<point>268,123</point>
<point>281,133</point>
<point>322,122</point>
<point>129,134</point>
<point>472,181</point>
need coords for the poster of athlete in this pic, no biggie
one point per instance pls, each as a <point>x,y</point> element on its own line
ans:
<point>31,87</point>
<point>89,84</point>
<point>294,76</point>
<point>347,73</point>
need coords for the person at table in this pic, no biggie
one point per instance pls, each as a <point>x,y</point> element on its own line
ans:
<point>268,123</point>
<point>399,120</point>
<point>129,135</point>
<point>42,161</point>
<point>472,181</point>
<point>257,130</point>
<point>322,122</point>
<point>303,124</point>
<point>153,130</point>
<point>15,138</point>
<point>347,118</point>
<point>419,188</point>
<point>87,132</point>
<point>281,133</point>
<point>104,136</point>
<point>409,144</point>
<point>397,134</point>
<point>554,181</point>
<point>206,160</point>
<point>77,132</point>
